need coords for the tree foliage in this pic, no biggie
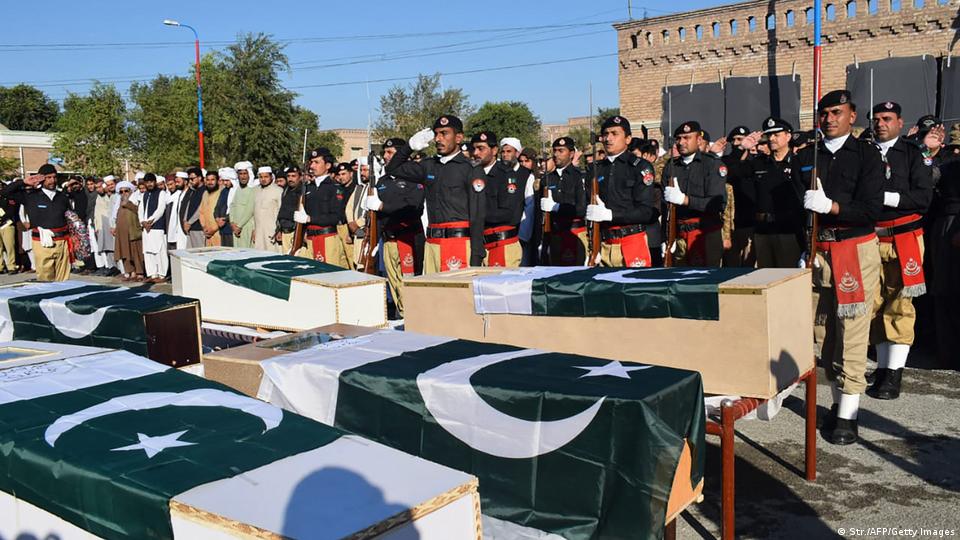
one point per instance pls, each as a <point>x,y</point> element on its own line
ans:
<point>406,110</point>
<point>92,132</point>
<point>163,133</point>
<point>9,166</point>
<point>507,119</point>
<point>23,107</point>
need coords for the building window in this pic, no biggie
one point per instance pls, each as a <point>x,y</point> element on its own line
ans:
<point>682,32</point>
<point>633,41</point>
<point>851,10</point>
<point>698,30</point>
<point>650,38</point>
<point>895,6</point>
<point>872,7</point>
<point>831,13</point>
<point>733,27</point>
<point>918,4</point>
<point>943,2</point>
<point>716,30</point>
<point>789,19</point>
<point>771,21</point>
<point>666,36</point>
<point>751,24</point>
<point>808,16</point>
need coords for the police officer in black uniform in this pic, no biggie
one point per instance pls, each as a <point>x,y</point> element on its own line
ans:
<point>741,252</point>
<point>289,203</point>
<point>323,211</point>
<point>694,183</point>
<point>504,204</point>
<point>628,199</point>
<point>564,203</point>
<point>455,196</point>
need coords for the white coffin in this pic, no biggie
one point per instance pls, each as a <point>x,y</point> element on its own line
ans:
<point>346,297</point>
<point>351,487</point>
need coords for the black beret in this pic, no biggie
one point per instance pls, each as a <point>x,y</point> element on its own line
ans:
<point>448,120</point>
<point>739,130</point>
<point>343,167</point>
<point>394,142</point>
<point>487,137</point>
<point>837,97</point>
<point>321,152</point>
<point>887,106</point>
<point>687,127</point>
<point>927,122</point>
<point>565,142</point>
<point>46,169</point>
<point>776,125</point>
<point>291,168</point>
<point>616,121</point>
<point>705,134</point>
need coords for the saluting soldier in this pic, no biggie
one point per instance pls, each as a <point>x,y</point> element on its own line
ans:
<point>565,205</point>
<point>777,199</point>
<point>504,204</point>
<point>455,196</point>
<point>741,252</point>
<point>399,205</point>
<point>694,182</point>
<point>907,193</point>
<point>323,211</point>
<point>628,200</point>
<point>846,272</point>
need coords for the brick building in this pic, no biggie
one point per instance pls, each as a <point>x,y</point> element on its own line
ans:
<point>30,149</point>
<point>765,38</point>
<point>355,143</point>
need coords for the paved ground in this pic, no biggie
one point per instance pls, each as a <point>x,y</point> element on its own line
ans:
<point>904,474</point>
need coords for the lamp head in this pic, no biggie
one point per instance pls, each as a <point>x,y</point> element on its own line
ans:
<point>171,22</point>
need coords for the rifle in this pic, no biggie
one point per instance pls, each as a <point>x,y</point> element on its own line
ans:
<point>371,238</point>
<point>301,229</point>
<point>812,219</point>
<point>547,226</point>
<point>671,230</point>
<point>594,229</point>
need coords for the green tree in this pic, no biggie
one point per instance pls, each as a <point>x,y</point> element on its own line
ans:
<point>91,134</point>
<point>9,166</point>
<point>507,119</point>
<point>307,120</point>
<point>602,114</point>
<point>406,110</point>
<point>26,108</point>
<point>163,132</point>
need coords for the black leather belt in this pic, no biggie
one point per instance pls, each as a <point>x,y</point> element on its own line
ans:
<point>620,232</point>
<point>452,232</point>
<point>313,230</point>
<point>899,229</point>
<point>393,234</point>
<point>765,217</point>
<point>499,236</point>
<point>835,234</point>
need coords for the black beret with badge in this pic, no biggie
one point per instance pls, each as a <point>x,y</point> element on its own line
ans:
<point>739,131</point>
<point>394,142</point>
<point>343,167</point>
<point>565,142</point>
<point>616,121</point>
<point>836,97</point>
<point>776,125</point>
<point>448,121</point>
<point>691,126</point>
<point>322,152</point>
<point>487,137</point>
<point>887,106</point>
<point>927,122</point>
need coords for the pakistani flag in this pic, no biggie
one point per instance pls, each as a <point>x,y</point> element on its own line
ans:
<point>78,313</point>
<point>106,441</point>
<point>267,275</point>
<point>570,445</point>
<point>682,293</point>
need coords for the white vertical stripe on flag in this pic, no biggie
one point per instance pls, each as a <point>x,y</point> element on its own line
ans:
<point>27,289</point>
<point>307,382</point>
<point>510,291</point>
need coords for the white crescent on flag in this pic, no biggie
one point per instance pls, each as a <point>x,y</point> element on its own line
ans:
<point>621,276</point>
<point>454,403</point>
<point>290,265</point>
<point>72,324</point>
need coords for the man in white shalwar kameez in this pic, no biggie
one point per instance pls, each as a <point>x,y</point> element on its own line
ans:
<point>176,237</point>
<point>101,225</point>
<point>150,212</point>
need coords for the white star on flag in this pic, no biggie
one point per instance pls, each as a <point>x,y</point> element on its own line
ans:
<point>692,272</point>
<point>154,445</point>
<point>613,369</point>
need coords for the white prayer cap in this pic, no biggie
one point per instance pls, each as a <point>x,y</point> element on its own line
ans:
<point>243,165</point>
<point>204,171</point>
<point>512,141</point>
<point>181,174</point>
<point>228,173</point>
<point>125,185</point>
<point>139,176</point>
<point>262,170</point>
<point>109,177</point>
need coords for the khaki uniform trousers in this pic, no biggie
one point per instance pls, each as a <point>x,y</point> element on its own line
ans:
<point>895,315</point>
<point>512,255</point>
<point>574,257</point>
<point>8,243</point>
<point>286,243</point>
<point>776,250</point>
<point>842,343</point>
<point>391,263</point>
<point>432,262</point>
<point>52,264</point>
<point>332,251</point>
<point>346,244</point>
<point>713,251</point>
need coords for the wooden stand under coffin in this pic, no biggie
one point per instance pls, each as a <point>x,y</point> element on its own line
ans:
<point>162,327</point>
<point>762,342</point>
<point>345,296</point>
<point>349,488</point>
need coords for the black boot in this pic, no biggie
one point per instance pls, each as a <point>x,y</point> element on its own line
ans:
<point>828,421</point>
<point>844,432</point>
<point>887,386</point>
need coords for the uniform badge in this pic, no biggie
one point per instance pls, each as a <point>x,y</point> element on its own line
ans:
<point>786,170</point>
<point>483,136</point>
<point>511,188</point>
<point>599,179</point>
<point>887,171</point>
<point>647,176</point>
<point>912,267</point>
<point>444,120</point>
<point>479,184</point>
<point>402,184</point>
<point>770,123</point>
<point>637,263</point>
<point>339,196</point>
<point>318,257</point>
<point>454,263</point>
<point>616,119</point>
<point>848,283</point>
<point>928,161</point>
<point>723,171</point>
<point>408,260</point>
<point>686,129</point>
<point>430,177</point>
<point>843,98</point>
<point>888,105</point>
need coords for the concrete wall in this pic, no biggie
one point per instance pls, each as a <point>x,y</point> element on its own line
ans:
<point>653,55</point>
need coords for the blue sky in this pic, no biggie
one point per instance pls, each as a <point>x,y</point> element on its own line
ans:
<point>61,46</point>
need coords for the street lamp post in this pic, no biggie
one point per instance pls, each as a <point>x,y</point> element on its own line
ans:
<point>196,42</point>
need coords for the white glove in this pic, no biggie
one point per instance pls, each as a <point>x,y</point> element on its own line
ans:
<point>802,263</point>
<point>300,216</point>
<point>673,195</point>
<point>816,200</point>
<point>599,212</point>
<point>372,202</point>
<point>663,249</point>
<point>421,139</point>
<point>547,204</point>
<point>891,199</point>
<point>46,237</point>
